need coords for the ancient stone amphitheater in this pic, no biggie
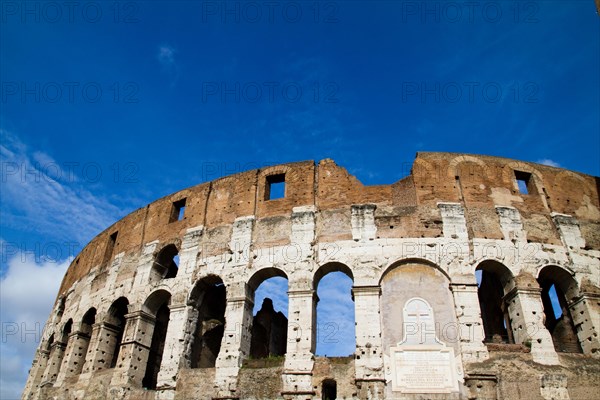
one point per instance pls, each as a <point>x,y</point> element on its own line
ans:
<point>474,277</point>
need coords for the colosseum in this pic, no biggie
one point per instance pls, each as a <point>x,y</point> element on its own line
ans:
<point>474,277</point>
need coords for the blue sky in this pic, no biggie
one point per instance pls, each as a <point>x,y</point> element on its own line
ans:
<point>107,106</point>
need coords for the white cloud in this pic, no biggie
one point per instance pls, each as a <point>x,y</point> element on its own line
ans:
<point>549,162</point>
<point>41,203</point>
<point>27,294</point>
<point>34,201</point>
<point>166,55</point>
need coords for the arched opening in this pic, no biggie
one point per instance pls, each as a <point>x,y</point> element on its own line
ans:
<point>268,289</point>
<point>329,389</point>
<point>335,311</point>
<point>166,263</point>
<point>412,282</point>
<point>158,306</point>
<point>558,289</point>
<point>493,280</point>
<point>44,361</point>
<point>209,300</point>
<point>57,352</point>
<point>87,325</point>
<point>115,324</point>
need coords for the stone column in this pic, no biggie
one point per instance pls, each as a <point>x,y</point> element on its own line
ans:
<point>102,347</point>
<point>35,375</point>
<point>135,348</point>
<point>526,312</point>
<point>57,352</point>
<point>299,357</point>
<point>174,352</point>
<point>585,312</point>
<point>368,361</point>
<point>470,325</point>
<point>74,355</point>
<point>235,345</point>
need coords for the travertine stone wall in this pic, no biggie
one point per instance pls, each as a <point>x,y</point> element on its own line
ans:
<point>422,236</point>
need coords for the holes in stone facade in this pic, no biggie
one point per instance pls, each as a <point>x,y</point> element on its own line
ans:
<point>87,323</point>
<point>492,277</point>
<point>166,263</point>
<point>275,187</point>
<point>177,210</point>
<point>209,301</point>
<point>557,286</point>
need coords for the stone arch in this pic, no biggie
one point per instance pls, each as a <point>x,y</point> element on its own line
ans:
<point>269,327</point>
<point>57,352</point>
<point>509,175</point>
<point>165,263</point>
<point>494,281</point>
<point>264,178</point>
<point>335,336</point>
<point>157,305</point>
<point>329,267</point>
<point>453,166</point>
<point>209,301</point>
<point>84,335</point>
<point>115,327</point>
<point>416,278</point>
<point>559,290</point>
<point>403,261</point>
<point>263,274</point>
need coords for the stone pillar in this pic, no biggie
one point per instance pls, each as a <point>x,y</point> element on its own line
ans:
<point>174,352</point>
<point>470,325</point>
<point>102,347</point>
<point>363,222</point>
<point>368,363</point>
<point>299,357</point>
<point>235,345</point>
<point>585,312</point>
<point>526,312</point>
<point>36,374</point>
<point>74,355</point>
<point>135,348</point>
<point>568,228</point>
<point>57,352</point>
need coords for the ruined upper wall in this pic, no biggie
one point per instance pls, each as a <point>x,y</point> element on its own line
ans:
<point>407,208</point>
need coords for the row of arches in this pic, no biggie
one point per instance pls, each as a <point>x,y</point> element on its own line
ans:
<point>97,342</point>
<point>558,290</point>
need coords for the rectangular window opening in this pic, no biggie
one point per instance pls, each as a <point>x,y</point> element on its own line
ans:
<point>177,210</point>
<point>110,246</point>
<point>275,187</point>
<point>524,182</point>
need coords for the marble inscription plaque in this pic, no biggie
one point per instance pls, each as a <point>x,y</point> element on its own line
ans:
<point>421,363</point>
